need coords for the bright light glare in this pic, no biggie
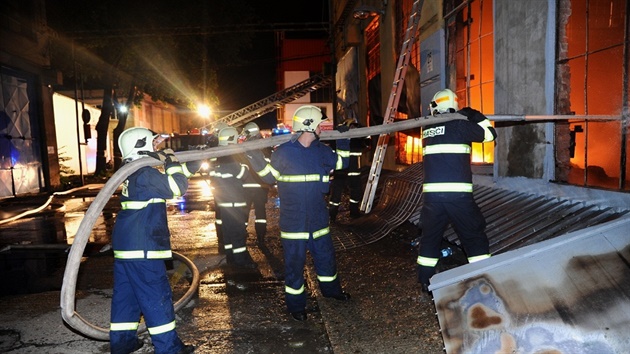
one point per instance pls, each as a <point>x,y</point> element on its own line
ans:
<point>204,110</point>
<point>206,190</point>
<point>122,108</point>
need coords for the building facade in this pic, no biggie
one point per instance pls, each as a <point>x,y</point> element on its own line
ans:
<point>533,65</point>
<point>29,160</point>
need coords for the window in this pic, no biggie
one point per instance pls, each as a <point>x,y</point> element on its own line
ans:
<point>470,61</point>
<point>596,64</point>
<point>373,63</point>
<point>408,144</point>
<point>373,48</point>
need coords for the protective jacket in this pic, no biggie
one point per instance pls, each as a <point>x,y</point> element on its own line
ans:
<point>303,175</point>
<point>141,243</point>
<point>141,229</point>
<point>446,157</point>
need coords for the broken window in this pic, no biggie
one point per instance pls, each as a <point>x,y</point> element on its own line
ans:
<point>470,61</point>
<point>592,55</point>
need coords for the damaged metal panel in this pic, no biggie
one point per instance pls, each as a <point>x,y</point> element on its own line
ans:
<point>399,199</point>
<point>514,219</point>
<point>569,294</point>
<point>517,219</point>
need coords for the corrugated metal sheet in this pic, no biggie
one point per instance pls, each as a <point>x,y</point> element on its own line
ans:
<point>396,201</point>
<point>514,219</point>
<point>517,219</point>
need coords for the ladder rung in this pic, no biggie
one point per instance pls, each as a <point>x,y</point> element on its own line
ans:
<point>403,62</point>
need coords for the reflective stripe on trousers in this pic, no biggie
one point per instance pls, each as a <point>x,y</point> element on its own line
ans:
<point>139,254</point>
<point>140,204</point>
<point>304,235</point>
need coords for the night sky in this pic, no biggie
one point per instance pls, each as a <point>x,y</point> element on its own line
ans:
<point>242,81</point>
<point>240,86</point>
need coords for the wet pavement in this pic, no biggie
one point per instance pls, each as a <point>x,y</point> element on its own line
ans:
<point>235,311</point>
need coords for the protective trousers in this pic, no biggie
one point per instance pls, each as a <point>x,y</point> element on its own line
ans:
<point>258,197</point>
<point>234,231</point>
<point>218,223</point>
<point>323,255</point>
<point>467,221</point>
<point>337,186</point>
<point>142,288</point>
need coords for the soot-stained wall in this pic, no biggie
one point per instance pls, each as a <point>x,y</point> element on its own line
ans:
<point>521,36</point>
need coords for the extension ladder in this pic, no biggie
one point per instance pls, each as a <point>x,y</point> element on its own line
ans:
<point>273,102</point>
<point>392,106</point>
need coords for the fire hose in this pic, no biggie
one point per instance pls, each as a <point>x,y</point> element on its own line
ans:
<point>68,289</point>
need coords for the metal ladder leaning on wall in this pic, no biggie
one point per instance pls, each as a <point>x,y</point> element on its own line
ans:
<point>392,106</point>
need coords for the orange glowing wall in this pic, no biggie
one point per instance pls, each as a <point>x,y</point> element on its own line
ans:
<point>595,37</point>
<point>474,57</point>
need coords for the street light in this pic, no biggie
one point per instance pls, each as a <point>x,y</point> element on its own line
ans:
<point>204,110</point>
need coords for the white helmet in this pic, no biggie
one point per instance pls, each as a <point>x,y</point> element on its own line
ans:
<point>444,101</point>
<point>250,129</point>
<point>227,136</point>
<point>307,118</point>
<point>133,141</point>
<point>219,126</point>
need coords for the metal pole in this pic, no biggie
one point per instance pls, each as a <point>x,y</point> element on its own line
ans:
<point>624,105</point>
<point>76,108</point>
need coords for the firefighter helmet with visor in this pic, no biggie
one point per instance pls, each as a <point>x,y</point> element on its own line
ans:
<point>218,126</point>
<point>307,118</point>
<point>444,101</point>
<point>228,136</point>
<point>250,129</point>
<point>136,142</point>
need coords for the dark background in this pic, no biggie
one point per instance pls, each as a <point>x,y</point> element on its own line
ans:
<point>240,86</point>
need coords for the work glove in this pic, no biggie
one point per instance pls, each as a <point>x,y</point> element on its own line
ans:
<point>473,115</point>
<point>167,156</point>
<point>192,167</point>
<point>253,137</point>
<point>342,128</point>
<point>257,159</point>
<point>170,156</point>
<point>158,155</point>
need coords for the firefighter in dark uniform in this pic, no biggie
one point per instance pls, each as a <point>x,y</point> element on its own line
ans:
<point>141,243</point>
<point>302,168</point>
<point>447,187</point>
<point>348,177</point>
<point>256,191</point>
<point>217,213</point>
<point>227,178</point>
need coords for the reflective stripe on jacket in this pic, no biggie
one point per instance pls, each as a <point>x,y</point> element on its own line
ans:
<point>446,157</point>
<point>303,175</point>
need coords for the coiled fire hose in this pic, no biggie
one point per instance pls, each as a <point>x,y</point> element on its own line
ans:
<point>68,288</point>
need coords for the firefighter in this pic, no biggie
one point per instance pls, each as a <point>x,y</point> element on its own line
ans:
<point>214,140</point>
<point>227,178</point>
<point>141,243</point>
<point>301,167</point>
<point>447,187</point>
<point>349,177</point>
<point>256,191</point>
